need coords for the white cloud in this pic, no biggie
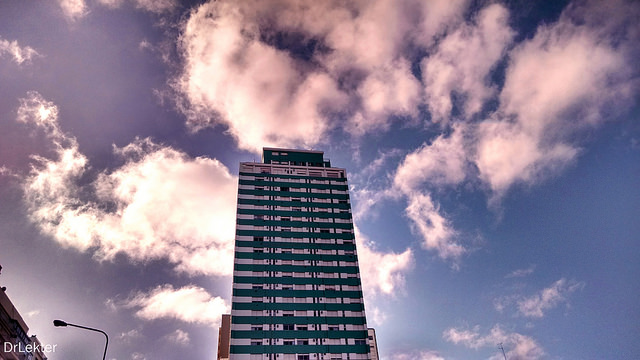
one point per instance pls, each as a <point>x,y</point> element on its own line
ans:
<point>130,336</point>
<point>417,355</point>
<point>517,346</point>
<point>577,72</point>
<point>19,54</point>
<point>436,231</point>
<point>443,162</point>
<point>521,272</point>
<point>548,298</point>
<point>160,204</point>
<point>178,337</point>
<point>382,272</point>
<point>437,17</point>
<point>390,90</point>
<point>259,92</point>
<point>190,304</point>
<point>138,356</point>
<point>507,154</point>
<point>154,6</point>
<point>360,71</point>
<point>73,9</point>
<point>462,62</point>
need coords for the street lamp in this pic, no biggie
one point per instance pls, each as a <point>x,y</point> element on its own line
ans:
<point>60,323</point>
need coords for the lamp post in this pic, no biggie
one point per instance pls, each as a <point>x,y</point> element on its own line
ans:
<point>60,323</point>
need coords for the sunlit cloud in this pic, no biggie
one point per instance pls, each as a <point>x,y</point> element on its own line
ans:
<point>154,6</point>
<point>536,305</point>
<point>191,304</point>
<point>462,62</point>
<point>130,336</point>
<point>73,9</point>
<point>521,272</point>
<point>517,346</point>
<point>382,272</point>
<point>578,73</point>
<point>19,54</point>
<point>268,95</point>
<point>161,204</point>
<point>178,337</point>
<point>417,355</point>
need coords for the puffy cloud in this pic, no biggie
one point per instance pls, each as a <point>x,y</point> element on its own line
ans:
<point>154,6</point>
<point>507,154</point>
<point>161,204</point>
<point>73,9</point>
<point>548,298</point>
<point>190,304</point>
<point>569,77</point>
<point>246,66</point>
<point>18,54</point>
<point>462,62</point>
<point>443,162</point>
<point>436,231</point>
<point>521,272</point>
<point>179,337</point>
<point>382,272</point>
<point>417,355</point>
<point>258,91</point>
<point>130,336</point>
<point>388,91</point>
<point>518,346</point>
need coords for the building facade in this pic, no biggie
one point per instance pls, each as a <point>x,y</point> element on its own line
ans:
<point>15,342</point>
<point>297,293</point>
<point>224,337</point>
<point>373,344</point>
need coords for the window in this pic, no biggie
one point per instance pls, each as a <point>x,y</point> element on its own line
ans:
<point>303,342</point>
<point>258,238</point>
<point>256,327</point>
<point>361,342</point>
<point>302,327</point>
<point>288,342</point>
<point>288,327</point>
<point>284,188</point>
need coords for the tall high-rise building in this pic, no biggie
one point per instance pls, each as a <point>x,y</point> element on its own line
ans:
<point>297,293</point>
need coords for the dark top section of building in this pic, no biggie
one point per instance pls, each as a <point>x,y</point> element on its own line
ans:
<point>294,157</point>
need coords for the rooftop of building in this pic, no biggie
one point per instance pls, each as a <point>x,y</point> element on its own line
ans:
<point>294,157</point>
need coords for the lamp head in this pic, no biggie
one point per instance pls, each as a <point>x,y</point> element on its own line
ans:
<point>59,323</point>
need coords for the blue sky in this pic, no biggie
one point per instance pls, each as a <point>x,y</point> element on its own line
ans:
<point>493,153</point>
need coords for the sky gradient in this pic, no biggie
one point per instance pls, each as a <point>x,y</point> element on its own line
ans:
<point>492,150</point>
